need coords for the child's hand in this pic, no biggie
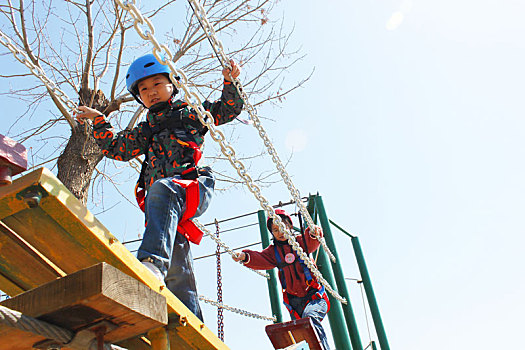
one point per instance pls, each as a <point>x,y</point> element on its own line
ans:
<point>239,256</point>
<point>86,113</point>
<point>316,232</point>
<point>234,72</point>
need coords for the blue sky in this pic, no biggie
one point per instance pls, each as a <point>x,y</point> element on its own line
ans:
<point>411,129</point>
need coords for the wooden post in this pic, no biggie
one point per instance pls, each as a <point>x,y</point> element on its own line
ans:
<point>159,339</point>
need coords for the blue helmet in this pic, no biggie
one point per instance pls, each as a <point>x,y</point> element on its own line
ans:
<point>141,68</point>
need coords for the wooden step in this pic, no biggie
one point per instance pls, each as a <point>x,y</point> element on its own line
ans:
<point>283,335</point>
<point>100,294</point>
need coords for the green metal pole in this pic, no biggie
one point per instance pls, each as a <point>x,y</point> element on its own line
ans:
<point>339,276</point>
<point>372,302</point>
<point>335,315</point>
<point>273,288</point>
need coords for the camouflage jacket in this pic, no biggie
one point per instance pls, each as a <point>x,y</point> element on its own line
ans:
<point>166,152</point>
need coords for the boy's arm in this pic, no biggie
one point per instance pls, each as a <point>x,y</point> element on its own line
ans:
<point>122,146</point>
<point>230,104</point>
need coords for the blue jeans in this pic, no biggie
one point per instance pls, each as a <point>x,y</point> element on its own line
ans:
<point>168,249</point>
<point>316,310</point>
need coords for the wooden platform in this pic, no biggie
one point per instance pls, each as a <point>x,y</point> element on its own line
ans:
<point>283,335</point>
<point>41,240</point>
<point>98,294</point>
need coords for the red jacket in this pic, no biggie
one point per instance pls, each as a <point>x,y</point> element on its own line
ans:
<point>296,283</point>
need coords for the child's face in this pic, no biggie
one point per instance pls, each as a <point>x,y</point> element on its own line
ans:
<point>155,89</point>
<point>277,233</point>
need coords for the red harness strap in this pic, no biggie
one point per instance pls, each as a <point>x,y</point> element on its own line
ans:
<point>186,226</point>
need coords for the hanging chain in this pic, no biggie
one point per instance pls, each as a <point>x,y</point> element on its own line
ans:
<point>209,31</point>
<point>220,317</point>
<point>236,310</point>
<point>225,247</point>
<point>205,117</point>
<point>38,72</point>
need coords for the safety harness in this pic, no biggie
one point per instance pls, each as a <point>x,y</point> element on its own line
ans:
<point>317,290</point>
<point>174,122</point>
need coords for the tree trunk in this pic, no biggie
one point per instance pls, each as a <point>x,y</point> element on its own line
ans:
<point>78,161</point>
<point>82,154</point>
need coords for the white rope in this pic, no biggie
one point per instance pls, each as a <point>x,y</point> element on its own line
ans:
<point>206,118</point>
<point>209,31</point>
<point>83,339</point>
<point>236,310</point>
<point>40,74</point>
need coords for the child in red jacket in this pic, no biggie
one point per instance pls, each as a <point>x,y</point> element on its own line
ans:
<point>303,296</point>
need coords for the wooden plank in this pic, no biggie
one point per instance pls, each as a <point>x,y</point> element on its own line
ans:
<point>137,343</point>
<point>36,270</point>
<point>86,297</point>
<point>48,237</point>
<point>288,333</point>
<point>9,287</point>
<point>61,227</point>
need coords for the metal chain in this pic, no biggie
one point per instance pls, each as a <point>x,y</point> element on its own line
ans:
<point>236,310</point>
<point>220,317</point>
<point>39,73</point>
<point>209,31</point>
<point>225,247</point>
<point>206,118</point>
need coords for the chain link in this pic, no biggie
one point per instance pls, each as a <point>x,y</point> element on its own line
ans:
<point>225,247</point>
<point>38,72</point>
<point>236,310</point>
<point>220,317</point>
<point>208,29</point>
<point>206,118</point>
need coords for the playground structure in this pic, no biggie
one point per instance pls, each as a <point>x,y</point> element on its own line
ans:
<point>52,246</point>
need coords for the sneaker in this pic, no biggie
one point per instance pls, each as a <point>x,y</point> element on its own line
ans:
<point>155,270</point>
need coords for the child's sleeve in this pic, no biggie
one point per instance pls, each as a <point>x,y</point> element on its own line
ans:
<point>122,146</point>
<point>228,107</point>
<point>264,260</point>
<point>312,242</point>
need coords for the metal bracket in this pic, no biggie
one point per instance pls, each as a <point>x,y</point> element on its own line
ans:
<point>175,321</point>
<point>32,195</point>
<point>91,337</point>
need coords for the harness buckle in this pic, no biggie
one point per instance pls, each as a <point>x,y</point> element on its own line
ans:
<point>190,173</point>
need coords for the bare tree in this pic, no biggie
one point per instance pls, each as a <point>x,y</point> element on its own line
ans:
<point>84,47</point>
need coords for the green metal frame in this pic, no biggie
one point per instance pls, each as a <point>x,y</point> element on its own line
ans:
<point>367,285</point>
<point>339,276</point>
<point>335,315</point>
<point>340,314</point>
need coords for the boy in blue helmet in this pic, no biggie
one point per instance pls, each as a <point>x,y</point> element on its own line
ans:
<point>177,188</point>
<point>303,296</point>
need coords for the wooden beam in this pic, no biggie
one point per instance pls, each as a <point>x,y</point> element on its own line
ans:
<point>85,298</point>
<point>36,270</point>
